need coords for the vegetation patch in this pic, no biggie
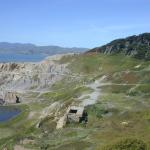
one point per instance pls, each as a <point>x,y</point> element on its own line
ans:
<point>127,144</point>
<point>97,110</point>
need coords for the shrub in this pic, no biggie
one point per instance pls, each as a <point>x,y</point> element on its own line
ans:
<point>127,144</point>
<point>97,110</point>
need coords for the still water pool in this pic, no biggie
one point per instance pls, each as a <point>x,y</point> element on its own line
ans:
<point>7,113</point>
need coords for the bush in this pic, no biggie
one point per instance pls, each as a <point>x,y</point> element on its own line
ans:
<point>127,144</point>
<point>143,52</point>
<point>97,110</point>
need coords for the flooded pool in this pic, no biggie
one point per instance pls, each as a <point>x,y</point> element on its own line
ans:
<point>7,113</point>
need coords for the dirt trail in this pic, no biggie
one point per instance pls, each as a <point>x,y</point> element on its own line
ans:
<point>92,97</point>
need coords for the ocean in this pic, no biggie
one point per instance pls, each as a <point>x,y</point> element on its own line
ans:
<point>21,57</point>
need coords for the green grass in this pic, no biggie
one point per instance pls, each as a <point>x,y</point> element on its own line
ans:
<point>66,90</point>
<point>119,103</point>
<point>117,99</point>
<point>93,64</point>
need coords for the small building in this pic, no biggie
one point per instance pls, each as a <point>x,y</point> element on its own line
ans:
<point>76,114</point>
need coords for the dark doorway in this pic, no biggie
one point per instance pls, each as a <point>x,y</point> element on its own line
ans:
<point>73,111</point>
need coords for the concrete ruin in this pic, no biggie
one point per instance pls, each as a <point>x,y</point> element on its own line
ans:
<point>76,114</point>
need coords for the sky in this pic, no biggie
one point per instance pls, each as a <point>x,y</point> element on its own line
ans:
<point>72,23</point>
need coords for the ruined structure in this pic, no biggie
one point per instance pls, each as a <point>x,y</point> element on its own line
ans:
<point>76,114</point>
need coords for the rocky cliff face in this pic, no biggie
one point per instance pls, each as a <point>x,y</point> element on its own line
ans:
<point>26,77</point>
<point>9,66</point>
<point>137,46</point>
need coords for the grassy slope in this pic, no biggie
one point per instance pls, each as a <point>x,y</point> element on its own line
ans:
<point>120,103</point>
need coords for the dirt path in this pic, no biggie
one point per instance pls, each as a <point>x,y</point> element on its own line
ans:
<point>92,97</point>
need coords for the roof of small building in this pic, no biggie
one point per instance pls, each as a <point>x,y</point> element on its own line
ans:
<point>79,109</point>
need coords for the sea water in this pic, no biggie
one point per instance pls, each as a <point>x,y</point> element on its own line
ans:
<point>21,57</point>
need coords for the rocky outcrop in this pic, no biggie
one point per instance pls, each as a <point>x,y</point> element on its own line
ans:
<point>11,98</point>
<point>29,77</point>
<point>9,66</point>
<point>136,46</point>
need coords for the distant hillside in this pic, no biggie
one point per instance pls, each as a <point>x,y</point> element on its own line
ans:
<point>19,48</point>
<point>136,46</point>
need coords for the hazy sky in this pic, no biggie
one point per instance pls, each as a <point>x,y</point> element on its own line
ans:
<point>80,23</point>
